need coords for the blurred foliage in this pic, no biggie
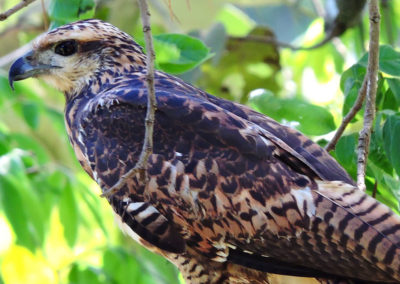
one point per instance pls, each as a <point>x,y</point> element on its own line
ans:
<point>54,228</point>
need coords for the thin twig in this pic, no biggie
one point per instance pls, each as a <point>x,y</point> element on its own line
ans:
<point>147,149</point>
<point>349,116</point>
<point>338,44</point>
<point>171,11</point>
<point>16,8</point>
<point>274,41</point>
<point>46,21</point>
<point>265,39</point>
<point>372,77</point>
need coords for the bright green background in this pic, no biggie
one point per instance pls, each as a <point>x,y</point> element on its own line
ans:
<point>54,228</point>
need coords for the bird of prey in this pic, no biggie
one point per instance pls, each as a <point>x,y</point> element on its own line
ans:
<point>231,194</point>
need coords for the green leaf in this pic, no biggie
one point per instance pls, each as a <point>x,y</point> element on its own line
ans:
<point>69,214</point>
<point>389,60</point>
<point>161,271</point>
<point>4,142</point>
<point>235,21</point>
<point>20,201</point>
<point>386,192</point>
<point>86,275</point>
<point>14,209</point>
<point>121,267</point>
<point>62,12</point>
<point>377,153</point>
<point>27,143</point>
<point>258,68</point>
<point>92,202</point>
<point>394,85</point>
<point>179,53</point>
<point>312,119</point>
<point>30,112</point>
<point>350,83</point>
<point>388,101</point>
<point>345,150</point>
<point>86,9</point>
<point>391,138</point>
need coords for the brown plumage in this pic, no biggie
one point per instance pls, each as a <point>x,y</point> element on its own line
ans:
<point>232,195</point>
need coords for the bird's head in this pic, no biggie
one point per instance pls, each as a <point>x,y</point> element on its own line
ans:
<point>72,56</point>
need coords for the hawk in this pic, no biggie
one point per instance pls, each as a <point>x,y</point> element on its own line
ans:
<point>231,195</point>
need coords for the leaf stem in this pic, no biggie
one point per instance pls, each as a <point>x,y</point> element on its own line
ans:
<point>349,116</point>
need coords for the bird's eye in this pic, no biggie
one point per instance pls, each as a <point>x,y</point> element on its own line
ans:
<point>66,48</point>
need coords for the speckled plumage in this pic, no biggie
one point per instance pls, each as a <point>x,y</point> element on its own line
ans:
<point>232,194</point>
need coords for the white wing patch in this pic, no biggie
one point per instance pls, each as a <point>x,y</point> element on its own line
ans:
<point>304,200</point>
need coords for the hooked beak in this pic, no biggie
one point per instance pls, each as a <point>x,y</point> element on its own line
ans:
<point>24,67</point>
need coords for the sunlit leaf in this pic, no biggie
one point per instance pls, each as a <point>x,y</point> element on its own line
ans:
<point>69,214</point>
<point>65,11</point>
<point>28,143</point>
<point>258,68</point>
<point>31,114</point>
<point>180,53</point>
<point>235,21</point>
<point>312,119</point>
<point>162,271</point>
<point>323,60</point>
<point>121,267</point>
<point>4,143</point>
<point>92,202</point>
<point>20,266</point>
<point>21,203</point>
<point>86,275</point>
<point>11,199</point>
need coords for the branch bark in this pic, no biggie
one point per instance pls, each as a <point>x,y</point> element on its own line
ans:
<point>16,8</point>
<point>349,116</point>
<point>147,149</point>
<point>372,78</point>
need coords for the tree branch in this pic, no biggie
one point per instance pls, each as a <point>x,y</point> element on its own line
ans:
<point>147,149</point>
<point>274,41</point>
<point>372,77</point>
<point>16,8</point>
<point>349,116</point>
<point>267,40</point>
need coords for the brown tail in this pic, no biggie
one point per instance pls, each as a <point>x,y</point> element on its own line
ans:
<point>367,229</point>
